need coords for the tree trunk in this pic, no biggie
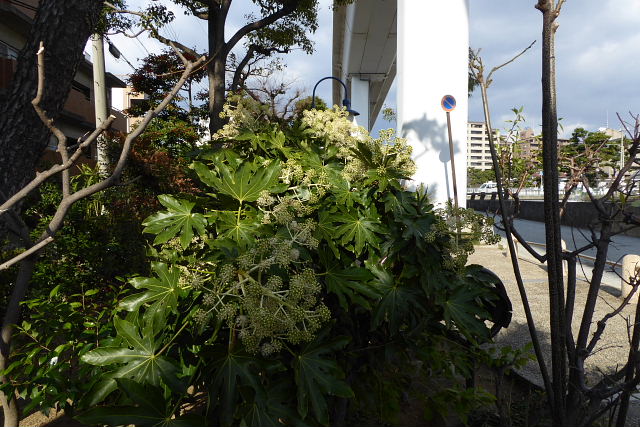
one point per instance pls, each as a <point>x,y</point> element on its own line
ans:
<point>216,69</point>
<point>552,211</point>
<point>12,316</point>
<point>63,27</point>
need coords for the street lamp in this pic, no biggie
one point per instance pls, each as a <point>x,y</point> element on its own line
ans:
<point>346,102</point>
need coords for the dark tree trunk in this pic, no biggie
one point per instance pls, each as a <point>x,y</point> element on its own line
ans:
<point>63,27</point>
<point>216,69</point>
<point>552,210</point>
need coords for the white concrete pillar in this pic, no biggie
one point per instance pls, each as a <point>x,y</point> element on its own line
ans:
<point>630,269</point>
<point>433,54</point>
<point>360,101</point>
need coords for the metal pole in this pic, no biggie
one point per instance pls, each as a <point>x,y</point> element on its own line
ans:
<point>453,163</point>
<point>100,97</point>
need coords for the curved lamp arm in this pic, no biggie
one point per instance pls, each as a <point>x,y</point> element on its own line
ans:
<point>346,102</point>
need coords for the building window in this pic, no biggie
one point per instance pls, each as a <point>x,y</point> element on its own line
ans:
<point>476,138</point>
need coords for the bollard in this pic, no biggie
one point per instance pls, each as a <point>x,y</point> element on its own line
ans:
<point>630,268</point>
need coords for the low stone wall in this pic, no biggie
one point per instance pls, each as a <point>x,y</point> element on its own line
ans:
<point>579,214</point>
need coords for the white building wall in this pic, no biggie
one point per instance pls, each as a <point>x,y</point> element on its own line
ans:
<point>433,43</point>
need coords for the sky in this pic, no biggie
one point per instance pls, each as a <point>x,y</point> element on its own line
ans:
<point>597,51</point>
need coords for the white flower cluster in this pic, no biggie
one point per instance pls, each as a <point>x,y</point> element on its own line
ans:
<point>243,113</point>
<point>267,294</point>
<point>333,127</point>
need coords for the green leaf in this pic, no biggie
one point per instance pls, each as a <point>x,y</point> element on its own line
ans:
<point>344,195</point>
<point>177,219</point>
<point>398,303</point>
<point>317,376</point>
<point>141,363</point>
<point>242,231</point>
<point>54,291</point>
<point>462,310</point>
<point>234,369</point>
<point>103,356</point>
<point>245,184</point>
<point>360,228</point>
<point>162,290</point>
<point>147,397</point>
<point>272,407</point>
<point>326,230</point>
<point>350,283</point>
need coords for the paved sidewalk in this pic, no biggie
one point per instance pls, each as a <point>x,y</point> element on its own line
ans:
<point>611,351</point>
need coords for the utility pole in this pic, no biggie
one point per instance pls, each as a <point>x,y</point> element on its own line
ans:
<point>100,97</point>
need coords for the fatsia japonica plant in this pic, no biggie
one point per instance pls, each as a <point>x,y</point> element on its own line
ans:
<point>294,289</point>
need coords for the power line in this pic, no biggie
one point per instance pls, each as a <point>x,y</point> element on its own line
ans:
<point>117,54</point>
<point>142,44</point>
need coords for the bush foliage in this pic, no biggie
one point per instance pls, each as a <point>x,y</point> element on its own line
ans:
<point>297,288</point>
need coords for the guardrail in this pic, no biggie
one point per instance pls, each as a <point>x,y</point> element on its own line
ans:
<point>530,193</point>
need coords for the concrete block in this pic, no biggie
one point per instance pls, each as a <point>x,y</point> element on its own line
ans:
<point>630,269</point>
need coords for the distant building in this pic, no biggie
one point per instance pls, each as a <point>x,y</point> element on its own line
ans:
<point>478,151</point>
<point>528,144</point>
<point>131,98</point>
<point>78,116</point>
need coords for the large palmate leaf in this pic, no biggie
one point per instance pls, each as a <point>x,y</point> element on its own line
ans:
<point>359,228</point>
<point>326,230</point>
<point>244,184</point>
<point>398,303</point>
<point>272,406</point>
<point>462,310</point>
<point>162,291</point>
<point>349,284</point>
<point>177,219</point>
<point>138,357</point>
<point>318,376</point>
<point>151,409</point>
<point>345,195</point>
<point>234,369</point>
<point>243,230</point>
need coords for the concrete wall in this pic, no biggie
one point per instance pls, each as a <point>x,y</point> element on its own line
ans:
<point>579,214</point>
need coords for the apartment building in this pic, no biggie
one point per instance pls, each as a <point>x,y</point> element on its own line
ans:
<point>478,152</point>
<point>78,116</point>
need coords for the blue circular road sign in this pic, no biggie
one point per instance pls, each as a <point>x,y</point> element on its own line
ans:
<point>448,103</point>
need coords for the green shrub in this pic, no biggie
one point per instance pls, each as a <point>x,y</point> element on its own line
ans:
<point>304,265</point>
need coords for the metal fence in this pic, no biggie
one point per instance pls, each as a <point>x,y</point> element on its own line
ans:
<point>532,193</point>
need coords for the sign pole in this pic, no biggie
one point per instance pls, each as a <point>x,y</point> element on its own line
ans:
<point>453,162</point>
<point>449,104</point>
